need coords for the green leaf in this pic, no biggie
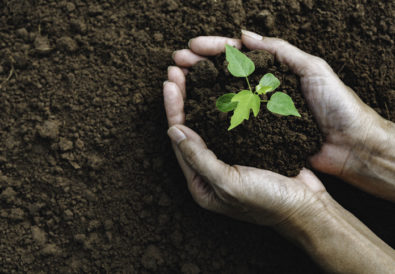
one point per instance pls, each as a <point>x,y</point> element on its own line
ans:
<point>225,104</point>
<point>268,83</point>
<point>281,103</point>
<point>246,101</point>
<point>239,64</point>
<point>262,89</point>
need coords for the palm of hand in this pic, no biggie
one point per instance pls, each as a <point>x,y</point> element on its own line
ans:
<point>343,118</point>
<point>245,193</point>
<point>266,198</point>
<point>341,115</point>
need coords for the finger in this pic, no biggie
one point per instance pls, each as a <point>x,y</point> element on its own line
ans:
<point>192,135</point>
<point>174,103</point>
<point>331,159</point>
<point>186,58</point>
<point>310,180</point>
<point>176,75</point>
<point>205,194</point>
<point>199,158</point>
<point>190,175</point>
<point>300,62</point>
<point>212,45</point>
<point>207,198</point>
<point>202,192</point>
<point>199,189</point>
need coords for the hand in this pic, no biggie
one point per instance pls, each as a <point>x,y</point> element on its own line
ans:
<point>245,193</point>
<point>343,118</point>
<point>299,207</point>
<point>359,145</point>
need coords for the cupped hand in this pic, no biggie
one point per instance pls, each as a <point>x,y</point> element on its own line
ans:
<point>298,207</point>
<point>343,118</point>
<point>358,143</point>
<point>245,193</point>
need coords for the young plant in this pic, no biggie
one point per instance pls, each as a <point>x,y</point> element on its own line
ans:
<point>246,100</point>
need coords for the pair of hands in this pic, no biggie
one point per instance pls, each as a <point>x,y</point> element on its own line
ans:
<point>261,196</point>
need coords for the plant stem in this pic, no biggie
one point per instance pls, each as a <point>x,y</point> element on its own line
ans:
<point>265,101</point>
<point>249,86</point>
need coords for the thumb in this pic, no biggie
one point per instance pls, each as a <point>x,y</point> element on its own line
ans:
<point>300,62</point>
<point>195,153</point>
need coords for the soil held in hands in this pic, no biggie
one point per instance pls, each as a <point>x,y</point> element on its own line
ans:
<point>281,144</point>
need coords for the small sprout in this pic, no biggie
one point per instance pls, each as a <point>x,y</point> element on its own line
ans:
<point>246,100</point>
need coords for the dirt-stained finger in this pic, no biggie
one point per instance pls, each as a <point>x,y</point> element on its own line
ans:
<point>301,63</point>
<point>186,58</point>
<point>176,75</point>
<point>212,45</point>
<point>174,103</point>
<point>201,159</point>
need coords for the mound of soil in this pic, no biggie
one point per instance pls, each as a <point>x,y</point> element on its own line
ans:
<point>278,143</point>
<point>88,180</point>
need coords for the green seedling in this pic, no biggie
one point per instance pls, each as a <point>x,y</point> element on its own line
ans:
<point>244,101</point>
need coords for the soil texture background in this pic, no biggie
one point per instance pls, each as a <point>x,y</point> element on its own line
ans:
<point>88,180</point>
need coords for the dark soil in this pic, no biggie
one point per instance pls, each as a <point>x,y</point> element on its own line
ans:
<point>88,180</point>
<point>277,143</point>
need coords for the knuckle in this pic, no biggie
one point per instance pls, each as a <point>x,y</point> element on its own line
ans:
<point>232,188</point>
<point>192,156</point>
<point>318,63</point>
<point>200,192</point>
<point>171,85</point>
<point>282,43</point>
<point>235,175</point>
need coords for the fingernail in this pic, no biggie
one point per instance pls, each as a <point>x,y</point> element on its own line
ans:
<point>173,54</point>
<point>165,82</point>
<point>176,135</point>
<point>252,35</point>
<point>168,68</point>
<point>189,43</point>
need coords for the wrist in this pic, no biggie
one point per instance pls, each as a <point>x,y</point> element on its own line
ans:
<point>337,240</point>
<point>300,226</point>
<point>380,135</point>
<point>371,162</point>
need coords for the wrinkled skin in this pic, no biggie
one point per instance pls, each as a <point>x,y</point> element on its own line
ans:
<point>260,196</point>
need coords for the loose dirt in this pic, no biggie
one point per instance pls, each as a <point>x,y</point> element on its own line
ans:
<point>276,143</point>
<point>88,180</point>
